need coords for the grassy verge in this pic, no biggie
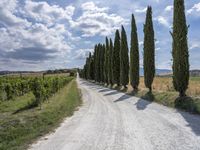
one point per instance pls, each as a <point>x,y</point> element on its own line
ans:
<point>170,99</point>
<point>163,93</point>
<point>18,130</point>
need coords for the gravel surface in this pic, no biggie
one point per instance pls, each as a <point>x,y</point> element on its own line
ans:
<point>110,120</point>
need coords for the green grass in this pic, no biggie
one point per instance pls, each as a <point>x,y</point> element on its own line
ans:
<point>18,130</point>
<point>13,105</point>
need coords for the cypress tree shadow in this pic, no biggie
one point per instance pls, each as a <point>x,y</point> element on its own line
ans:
<point>142,104</point>
<point>96,88</point>
<point>193,122</point>
<point>122,98</point>
<point>104,90</point>
<point>145,100</point>
<point>111,93</point>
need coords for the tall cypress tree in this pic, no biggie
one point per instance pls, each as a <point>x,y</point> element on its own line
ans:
<point>92,68</point>
<point>87,69</point>
<point>124,60</point>
<point>149,50</point>
<point>98,62</point>
<point>180,49</point>
<point>95,62</point>
<point>102,62</point>
<point>116,59</point>
<point>106,56</point>
<point>110,63</point>
<point>134,56</point>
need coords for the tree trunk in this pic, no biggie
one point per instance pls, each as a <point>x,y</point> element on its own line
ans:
<point>182,94</point>
<point>135,88</point>
<point>150,89</point>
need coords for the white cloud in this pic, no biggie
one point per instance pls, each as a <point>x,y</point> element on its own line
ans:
<point>141,43</point>
<point>82,53</point>
<point>44,35</point>
<point>141,10</point>
<point>49,14</point>
<point>162,20</point>
<point>97,21</point>
<point>194,10</point>
<point>157,42</point>
<point>194,44</point>
<point>157,49</point>
<point>91,7</point>
<point>164,64</point>
<point>7,17</point>
<point>8,4</point>
<point>169,8</point>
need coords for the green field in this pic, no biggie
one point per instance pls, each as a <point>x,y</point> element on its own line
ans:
<point>20,125</point>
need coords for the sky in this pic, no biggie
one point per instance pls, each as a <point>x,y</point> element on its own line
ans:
<point>50,34</point>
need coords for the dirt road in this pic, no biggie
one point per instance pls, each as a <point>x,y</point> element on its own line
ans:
<point>110,120</point>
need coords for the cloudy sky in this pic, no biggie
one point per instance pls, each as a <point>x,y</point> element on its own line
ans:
<point>49,34</point>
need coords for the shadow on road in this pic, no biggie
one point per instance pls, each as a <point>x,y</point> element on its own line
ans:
<point>145,100</point>
<point>193,121</point>
<point>142,104</point>
<point>189,104</point>
<point>111,93</point>
<point>122,98</point>
<point>104,90</point>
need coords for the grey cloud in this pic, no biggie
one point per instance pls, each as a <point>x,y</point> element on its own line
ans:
<point>31,54</point>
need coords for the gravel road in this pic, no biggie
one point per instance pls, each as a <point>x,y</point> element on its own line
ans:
<point>110,120</point>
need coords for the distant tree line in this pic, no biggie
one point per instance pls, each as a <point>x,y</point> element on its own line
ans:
<point>110,63</point>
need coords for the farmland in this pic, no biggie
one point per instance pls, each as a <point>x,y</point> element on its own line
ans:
<point>32,106</point>
<point>164,93</point>
<point>165,84</point>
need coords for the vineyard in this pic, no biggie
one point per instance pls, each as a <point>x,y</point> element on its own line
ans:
<point>32,106</point>
<point>41,87</point>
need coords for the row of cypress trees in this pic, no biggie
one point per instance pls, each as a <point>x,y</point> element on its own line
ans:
<point>110,62</point>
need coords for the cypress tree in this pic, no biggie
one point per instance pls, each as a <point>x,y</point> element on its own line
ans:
<point>134,56</point>
<point>92,68</point>
<point>102,62</point>
<point>87,69</point>
<point>149,50</point>
<point>97,65</point>
<point>84,71</point>
<point>99,62</point>
<point>124,60</point>
<point>106,56</point>
<point>89,66</point>
<point>95,62</point>
<point>110,63</point>
<point>116,59</point>
<point>180,52</point>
